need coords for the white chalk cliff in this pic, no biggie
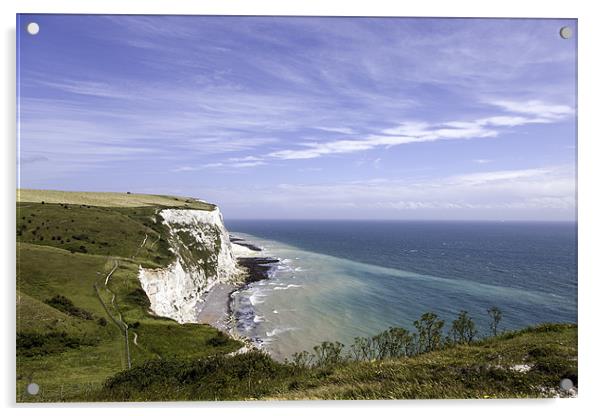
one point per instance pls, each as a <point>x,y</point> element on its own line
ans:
<point>204,258</point>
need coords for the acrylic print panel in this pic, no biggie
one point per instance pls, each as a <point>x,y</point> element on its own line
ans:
<point>240,208</point>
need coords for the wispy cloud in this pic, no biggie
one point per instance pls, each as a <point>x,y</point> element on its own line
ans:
<point>534,193</point>
<point>306,110</point>
<point>416,132</point>
<point>541,110</point>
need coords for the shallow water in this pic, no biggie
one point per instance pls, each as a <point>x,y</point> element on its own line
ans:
<point>342,279</point>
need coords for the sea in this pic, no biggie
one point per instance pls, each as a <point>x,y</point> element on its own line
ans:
<point>337,280</point>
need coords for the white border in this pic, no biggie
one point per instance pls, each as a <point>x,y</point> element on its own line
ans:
<point>590,209</point>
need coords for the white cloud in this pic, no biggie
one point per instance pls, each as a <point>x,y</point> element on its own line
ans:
<point>419,131</point>
<point>531,193</point>
<point>481,178</point>
<point>544,111</point>
<point>342,130</point>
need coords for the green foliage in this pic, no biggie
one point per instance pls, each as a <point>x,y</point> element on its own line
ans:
<point>429,328</point>
<point>362,349</point>
<point>463,329</point>
<point>65,305</point>
<point>31,344</point>
<point>138,297</point>
<point>302,359</point>
<point>250,375</point>
<point>328,354</point>
<point>496,316</point>
<point>220,339</point>
<point>70,344</point>
<point>482,369</point>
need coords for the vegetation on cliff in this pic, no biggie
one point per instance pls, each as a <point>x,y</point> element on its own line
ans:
<point>85,332</point>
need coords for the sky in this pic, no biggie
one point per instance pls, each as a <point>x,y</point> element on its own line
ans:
<point>305,117</point>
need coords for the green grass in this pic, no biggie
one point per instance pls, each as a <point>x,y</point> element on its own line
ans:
<point>480,370</point>
<point>69,341</point>
<point>95,230</point>
<point>70,325</point>
<point>109,199</point>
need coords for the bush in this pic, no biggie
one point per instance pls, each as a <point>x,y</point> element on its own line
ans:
<point>31,344</point>
<point>463,329</point>
<point>328,353</point>
<point>218,340</point>
<point>65,305</point>
<point>214,378</point>
<point>429,328</point>
<point>138,297</point>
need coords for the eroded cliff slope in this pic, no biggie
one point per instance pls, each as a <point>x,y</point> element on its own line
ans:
<point>204,258</point>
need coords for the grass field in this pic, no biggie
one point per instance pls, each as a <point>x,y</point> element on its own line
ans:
<point>109,199</point>
<point>70,324</point>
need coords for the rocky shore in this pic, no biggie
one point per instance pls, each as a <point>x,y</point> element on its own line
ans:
<point>216,309</point>
<point>258,267</point>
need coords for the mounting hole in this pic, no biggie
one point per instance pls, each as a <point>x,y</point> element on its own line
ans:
<point>33,28</point>
<point>566,384</point>
<point>566,32</point>
<point>33,389</point>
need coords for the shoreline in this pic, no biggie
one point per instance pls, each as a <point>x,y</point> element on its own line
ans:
<point>217,305</point>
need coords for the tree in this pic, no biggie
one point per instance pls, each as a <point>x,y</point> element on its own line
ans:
<point>328,353</point>
<point>361,349</point>
<point>463,329</point>
<point>429,328</point>
<point>496,316</point>
<point>302,359</point>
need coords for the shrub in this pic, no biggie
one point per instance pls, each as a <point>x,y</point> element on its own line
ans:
<point>429,328</point>
<point>65,305</point>
<point>463,329</point>
<point>328,353</point>
<point>138,297</point>
<point>362,350</point>
<point>302,359</point>
<point>218,340</point>
<point>31,344</point>
<point>496,316</point>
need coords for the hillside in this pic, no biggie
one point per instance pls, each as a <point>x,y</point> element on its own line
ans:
<point>106,284</point>
<point>526,363</point>
<point>78,291</point>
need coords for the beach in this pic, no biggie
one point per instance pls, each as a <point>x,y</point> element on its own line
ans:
<point>216,309</point>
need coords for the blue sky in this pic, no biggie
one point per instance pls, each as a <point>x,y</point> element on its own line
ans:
<point>380,118</point>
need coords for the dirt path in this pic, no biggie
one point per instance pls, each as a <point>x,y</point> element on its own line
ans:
<point>118,320</point>
<point>111,272</point>
<point>140,246</point>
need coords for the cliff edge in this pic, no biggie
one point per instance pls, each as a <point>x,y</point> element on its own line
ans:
<point>203,258</point>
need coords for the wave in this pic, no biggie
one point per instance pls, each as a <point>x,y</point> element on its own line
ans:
<point>287,287</point>
<point>278,331</point>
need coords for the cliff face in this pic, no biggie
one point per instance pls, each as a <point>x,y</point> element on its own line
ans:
<point>204,258</point>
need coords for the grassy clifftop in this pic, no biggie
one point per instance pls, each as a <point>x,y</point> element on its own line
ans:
<point>109,199</point>
<point>526,363</point>
<point>77,289</point>
<point>83,320</point>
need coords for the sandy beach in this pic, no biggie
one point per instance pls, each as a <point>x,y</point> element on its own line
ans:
<point>215,310</point>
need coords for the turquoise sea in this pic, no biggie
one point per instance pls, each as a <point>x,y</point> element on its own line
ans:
<point>340,279</point>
